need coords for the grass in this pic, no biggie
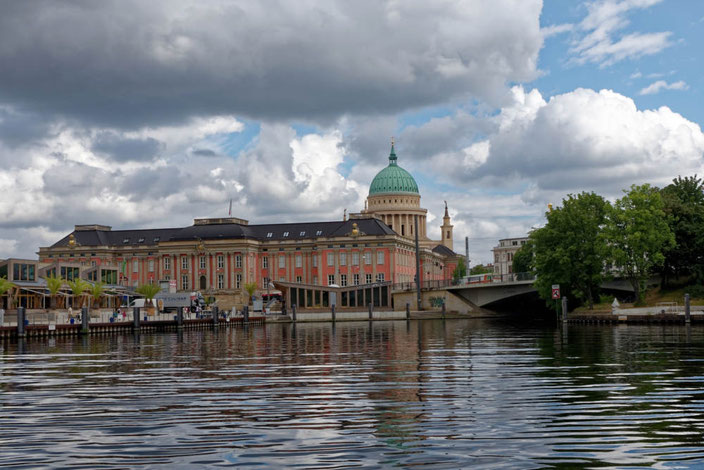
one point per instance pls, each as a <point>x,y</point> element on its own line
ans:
<point>652,298</point>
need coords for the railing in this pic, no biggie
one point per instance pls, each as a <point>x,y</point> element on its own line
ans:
<point>473,280</point>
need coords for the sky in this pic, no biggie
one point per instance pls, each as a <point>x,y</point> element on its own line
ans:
<point>141,114</point>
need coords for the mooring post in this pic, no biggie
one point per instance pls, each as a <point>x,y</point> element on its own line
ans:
<point>84,320</point>
<point>687,312</point>
<point>293,312</point>
<point>215,315</point>
<point>564,309</point>
<point>408,311</point>
<point>332,309</point>
<point>245,312</point>
<point>135,318</point>
<point>371,311</point>
<point>21,333</point>
<point>179,317</point>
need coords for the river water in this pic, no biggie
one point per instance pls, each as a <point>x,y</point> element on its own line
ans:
<point>433,394</point>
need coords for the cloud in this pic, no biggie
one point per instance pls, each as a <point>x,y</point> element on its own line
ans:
<point>598,42</point>
<point>659,85</point>
<point>555,29</point>
<point>126,149</point>
<point>129,64</point>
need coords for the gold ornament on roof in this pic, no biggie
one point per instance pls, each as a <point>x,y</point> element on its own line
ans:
<point>71,241</point>
<point>355,231</point>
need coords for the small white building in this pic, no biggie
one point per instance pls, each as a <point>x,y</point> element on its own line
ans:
<point>504,253</point>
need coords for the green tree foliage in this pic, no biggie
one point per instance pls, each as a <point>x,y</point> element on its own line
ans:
<point>251,288</point>
<point>569,250</point>
<point>96,291</point>
<point>54,284</point>
<point>523,259</point>
<point>6,287</point>
<point>78,287</point>
<point>480,269</point>
<point>148,291</point>
<point>638,235</point>
<point>460,270</point>
<point>684,210</point>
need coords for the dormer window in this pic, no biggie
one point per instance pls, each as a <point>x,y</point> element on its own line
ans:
<point>156,239</point>
<point>318,233</point>
<point>125,241</point>
<point>141,240</point>
<point>302,234</point>
<point>285,234</point>
<point>270,234</point>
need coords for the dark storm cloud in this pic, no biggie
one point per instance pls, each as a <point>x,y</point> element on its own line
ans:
<point>204,153</point>
<point>158,183</point>
<point>17,128</point>
<point>130,63</point>
<point>124,149</point>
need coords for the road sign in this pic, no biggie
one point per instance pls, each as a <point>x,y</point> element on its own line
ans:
<point>556,291</point>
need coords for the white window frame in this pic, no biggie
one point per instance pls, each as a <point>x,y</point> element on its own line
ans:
<point>380,277</point>
<point>221,261</point>
<point>315,261</point>
<point>331,279</point>
<point>135,266</point>
<point>184,262</point>
<point>238,261</point>
<point>343,280</point>
<point>167,263</point>
<point>331,258</point>
<point>367,257</point>
<point>150,265</point>
<point>202,262</point>
<point>355,258</point>
<point>379,257</point>
<point>221,281</point>
<point>355,279</point>
<point>282,261</point>
<point>343,259</point>
<point>299,261</point>
<point>367,278</point>
<point>265,262</point>
<point>238,281</point>
<point>184,282</point>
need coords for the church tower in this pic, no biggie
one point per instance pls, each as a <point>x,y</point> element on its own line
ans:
<point>446,229</point>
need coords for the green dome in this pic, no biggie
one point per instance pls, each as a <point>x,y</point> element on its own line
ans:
<point>393,179</point>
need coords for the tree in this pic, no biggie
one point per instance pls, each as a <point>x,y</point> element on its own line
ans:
<point>684,211</point>
<point>570,249</point>
<point>78,287</point>
<point>148,291</point>
<point>638,235</point>
<point>54,284</point>
<point>96,291</point>
<point>251,288</point>
<point>523,259</point>
<point>480,269</point>
<point>460,270</point>
<point>6,286</point>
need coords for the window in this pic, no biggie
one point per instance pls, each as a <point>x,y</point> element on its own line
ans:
<point>299,261</point>
<point>380,277</point>
<point>141,240</point>
<point>355,258</point>
<point>315,280</point>
<point>151,281</point>
<point>368,278</point>
<point>282,261</point>
<point>167,263</point>
<point>285,234</point>
<point>238,261</point>
<point>343,259</point>
<point>221,261</point>
<point>367,257</point>
<point>265,280</point>
<point>125,241</point>
<point>315,261</point>
<point>265,262</point>
<point>299,279</point>
<point>379,257</point>
<point>135,266</point>
<point>184,281</point>
<point>448,234</point>
<point>270,234</point>
<point>156,239</point>
<point>514,243</point>
<point>167,277</point>
<point>151,265</point>
<point>238,281</point>
<point>302,234</point>
<point>331,279</point>
<point>355,279</point>
<point>331,259</point>
<point>184,262</point>
<point>202,262</point>
<point>318,233</point>
<point>343,280</point>
<point>23,272</point>
<point>221,281</point>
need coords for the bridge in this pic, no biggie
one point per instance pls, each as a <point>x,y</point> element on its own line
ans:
<point>492,288</point>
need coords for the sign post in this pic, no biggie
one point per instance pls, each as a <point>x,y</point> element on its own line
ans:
<point>556,296</point>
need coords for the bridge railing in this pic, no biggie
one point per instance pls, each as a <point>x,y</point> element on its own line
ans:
<point>473,280</point>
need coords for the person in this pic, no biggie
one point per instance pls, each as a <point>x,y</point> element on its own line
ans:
<point>70,314</point>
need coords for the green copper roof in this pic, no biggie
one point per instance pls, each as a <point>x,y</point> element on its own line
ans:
<point>393,179</point>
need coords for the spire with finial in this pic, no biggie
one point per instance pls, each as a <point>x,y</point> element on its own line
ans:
<point>446,214</point>
<point>392,155</point>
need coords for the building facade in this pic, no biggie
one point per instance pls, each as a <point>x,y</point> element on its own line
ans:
<point>218,256</point>
<point>504,253</point>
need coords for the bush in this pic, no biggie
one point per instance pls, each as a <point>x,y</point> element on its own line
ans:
<point>696,292</point>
